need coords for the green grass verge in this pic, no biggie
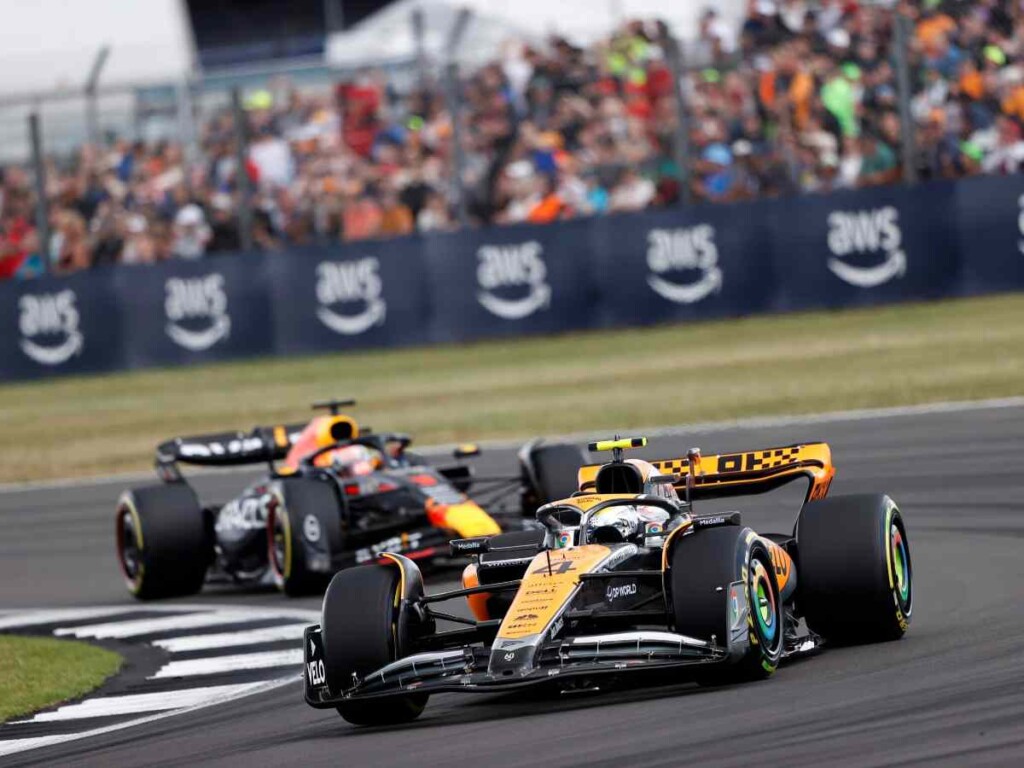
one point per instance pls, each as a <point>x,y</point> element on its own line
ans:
<point>38,672</point>
<point>795,363</point>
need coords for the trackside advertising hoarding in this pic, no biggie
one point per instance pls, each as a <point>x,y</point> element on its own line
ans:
<point>856,248</point>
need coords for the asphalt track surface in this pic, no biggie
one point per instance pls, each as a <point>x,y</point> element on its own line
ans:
<point>950,693</point>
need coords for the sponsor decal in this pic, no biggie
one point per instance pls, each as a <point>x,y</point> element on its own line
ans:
<point>229,448</point>
<point>246,514</point>
<point>516,267</point>
<point>875,231</point>
<point>197,311</point>
<point>510,656</point>
<point>311,528</point>
<point>348,295</point>
<point>48,323</point>
<point>316,671</point>
<point>400,543</point>
<point>683,249</point>
<point>614,593</point>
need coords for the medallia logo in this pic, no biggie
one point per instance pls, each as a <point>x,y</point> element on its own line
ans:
<point>197,311</point>
<point>690,249</point>
<point>505,272</point>
<point>876,231</point>
<point>48,323</point>
<point>349,295</point>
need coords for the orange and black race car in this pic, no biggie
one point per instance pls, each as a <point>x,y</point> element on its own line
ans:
<point>624,578</point>
<point>335,495</point>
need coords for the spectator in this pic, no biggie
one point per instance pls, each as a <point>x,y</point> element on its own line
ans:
<point>191,233</point>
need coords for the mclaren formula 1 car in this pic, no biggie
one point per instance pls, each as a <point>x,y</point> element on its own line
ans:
<point>341,495</point>
<point>625,577</point>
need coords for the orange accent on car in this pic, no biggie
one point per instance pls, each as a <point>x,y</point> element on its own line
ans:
<point>477,602</point>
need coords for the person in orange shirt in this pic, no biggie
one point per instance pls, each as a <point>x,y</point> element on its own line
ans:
<point>550,207</point>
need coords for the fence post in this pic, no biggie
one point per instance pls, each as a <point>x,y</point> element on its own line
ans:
<point>92,118</point>
<point>681,140</point>
<point>42,204</point>
<point>453,98</point>
<point>241,172</point>
<point>908,139</point>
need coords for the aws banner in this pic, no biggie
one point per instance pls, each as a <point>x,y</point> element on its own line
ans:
<point>855,248</point>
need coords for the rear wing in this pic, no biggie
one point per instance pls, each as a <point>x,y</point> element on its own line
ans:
<point>741,474</point>
<point>229,449</point>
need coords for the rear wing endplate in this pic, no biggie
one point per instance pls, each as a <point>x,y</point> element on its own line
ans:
<point>741,474</point>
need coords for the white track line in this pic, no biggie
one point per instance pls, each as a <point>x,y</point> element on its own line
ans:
<point>125,629</point>
<point>60,616</point>
<point>134,704</point>
<point>231,639</point>
<point>864,414</point>
<point>216,664</point>
<point>11,746</point>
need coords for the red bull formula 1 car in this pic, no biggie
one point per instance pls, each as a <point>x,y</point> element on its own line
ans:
<point>342,495</point>
<point>625,577</point>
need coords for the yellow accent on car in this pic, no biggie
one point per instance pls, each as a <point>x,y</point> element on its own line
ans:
<point>619,444</point>
<point>468,520</point>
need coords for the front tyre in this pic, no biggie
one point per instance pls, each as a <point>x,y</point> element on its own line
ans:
<point>363,629</point>
<point>713,573</point>
<point>164,546</point>
<point>853,560</point>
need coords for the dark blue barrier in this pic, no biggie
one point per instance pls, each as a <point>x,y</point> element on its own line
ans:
<point>194,311</point>
<point>61,325</point>
<point>372,295</point>
<point>849,249</point>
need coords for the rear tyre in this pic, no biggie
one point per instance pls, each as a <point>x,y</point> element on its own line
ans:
<point>302,521</point>
<point>704,568</point>
<point>549,474</point>
<point>164,545</point>
<point>363,629</point>
<point>853,560</point>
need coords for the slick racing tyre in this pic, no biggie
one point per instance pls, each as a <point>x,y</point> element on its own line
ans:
<point>704,566</point>
<point>303,522</point>
<point>164,545</point>
<point>362,630</point>
<point>549,474</point>
<point>853,560</point>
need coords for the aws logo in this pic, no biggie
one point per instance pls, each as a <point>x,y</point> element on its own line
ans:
<point>875,231</point>
<point>516,270</point>
<point>48,323</point>
<point>683,250</point>
<point>349,295</point>
<point>197,311</point>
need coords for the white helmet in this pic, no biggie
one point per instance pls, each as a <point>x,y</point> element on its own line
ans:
<point>613,524</point>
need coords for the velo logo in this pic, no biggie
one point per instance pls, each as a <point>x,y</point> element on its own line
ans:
<point>512,269</point>
<point>350,283</point>
<point>48,323</point>
<point>875,231</point>
<point>197,311</point>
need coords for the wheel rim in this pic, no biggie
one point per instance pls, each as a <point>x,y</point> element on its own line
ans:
<point>278,543</point>
<point>765,607</point>
<point>900,565</point>
<point>129,552</point>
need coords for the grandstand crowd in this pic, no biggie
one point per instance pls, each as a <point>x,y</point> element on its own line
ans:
<point>801,98</point>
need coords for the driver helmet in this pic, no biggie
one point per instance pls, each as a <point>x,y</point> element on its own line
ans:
<point>626,523</point>
<point>352,461</point>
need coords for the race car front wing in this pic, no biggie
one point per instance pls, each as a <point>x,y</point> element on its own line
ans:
<point>466,669</point>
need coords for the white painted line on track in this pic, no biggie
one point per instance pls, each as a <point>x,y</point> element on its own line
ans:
<point>119,630</point>
<point>60,616</point>
<point>133,704</point>
<point>12,746</point>
<point>244,661</point>
<point>231,639</point>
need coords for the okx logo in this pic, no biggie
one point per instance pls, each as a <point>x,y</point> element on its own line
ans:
<point>197,311</point>
<point>48,323</point>
<point>859,233</point>
<point>673,255</point>
<point>512,279</point>
<point>349,295</point>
